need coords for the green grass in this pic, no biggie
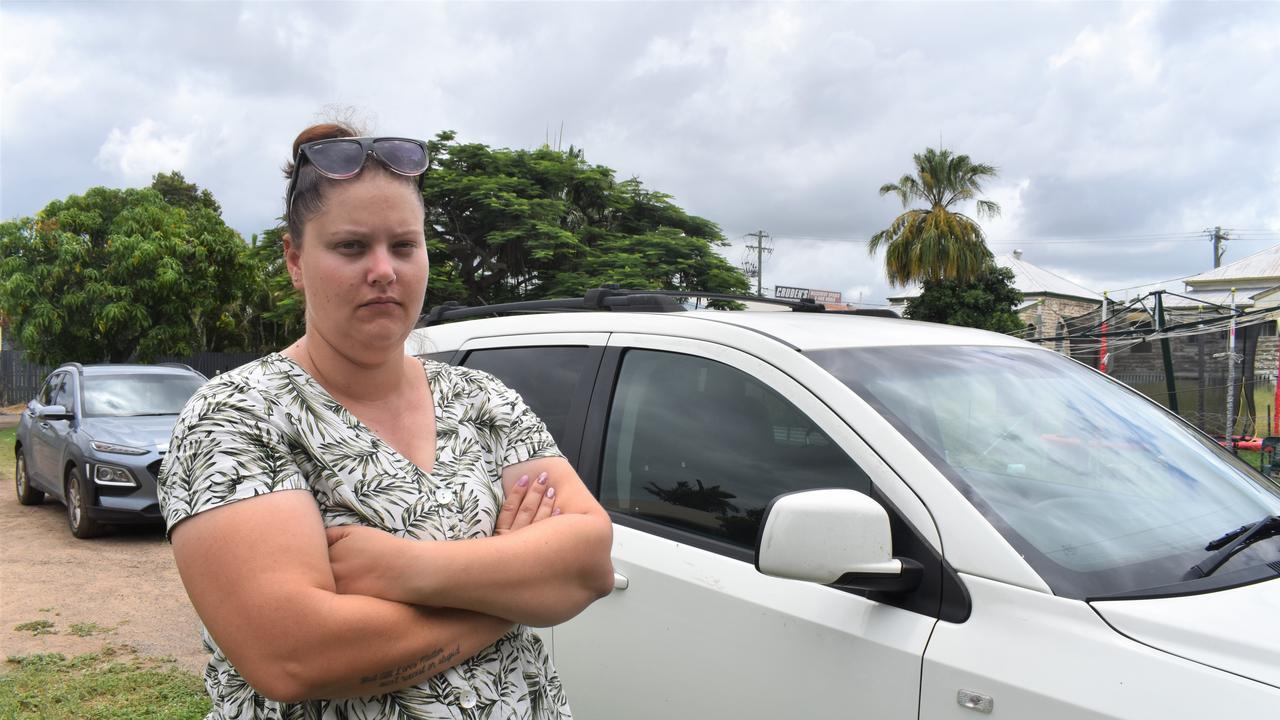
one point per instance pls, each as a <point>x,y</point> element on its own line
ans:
<point>112,684</point>
<point>87,629</point>
<point>37,627</point>
<point>8,437</point>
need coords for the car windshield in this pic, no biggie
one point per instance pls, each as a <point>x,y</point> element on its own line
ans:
<point>138,394</point>
<point>1103,491</point>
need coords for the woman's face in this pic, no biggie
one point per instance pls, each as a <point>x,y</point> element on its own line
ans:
<point>362,266</point>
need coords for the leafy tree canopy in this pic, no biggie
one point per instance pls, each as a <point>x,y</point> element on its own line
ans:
<point>176,191</point>
<point>136,274</point>
<point>986,302</point>
<point>506,225</point>
<point>936,241</point>
<point>123,274</point>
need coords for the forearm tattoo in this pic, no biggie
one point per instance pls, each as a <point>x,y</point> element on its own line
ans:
<point>408,673</point>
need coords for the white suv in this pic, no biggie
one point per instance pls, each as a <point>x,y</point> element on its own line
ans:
<point>825,516</point>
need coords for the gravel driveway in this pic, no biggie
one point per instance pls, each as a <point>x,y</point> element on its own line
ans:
<point>125,580</point>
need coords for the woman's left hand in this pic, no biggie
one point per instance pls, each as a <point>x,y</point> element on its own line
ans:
<point>368,561</point>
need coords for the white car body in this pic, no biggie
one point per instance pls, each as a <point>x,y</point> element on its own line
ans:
<point>690,632</point>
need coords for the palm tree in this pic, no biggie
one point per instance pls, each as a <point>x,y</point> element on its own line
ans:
<point>937,242</point>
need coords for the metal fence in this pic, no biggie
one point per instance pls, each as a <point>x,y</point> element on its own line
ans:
<point>21,379</point>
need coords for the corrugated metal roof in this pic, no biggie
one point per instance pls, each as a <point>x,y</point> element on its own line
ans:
<point>1030,279</point>
<point>1264,264</point>
<point>1195,298</point>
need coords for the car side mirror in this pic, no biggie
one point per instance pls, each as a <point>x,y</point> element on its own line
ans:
<point>833,537</point>
<point>53,412</point>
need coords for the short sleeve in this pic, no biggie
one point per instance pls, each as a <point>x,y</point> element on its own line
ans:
<point>521,433</point>
<point>223,449</point>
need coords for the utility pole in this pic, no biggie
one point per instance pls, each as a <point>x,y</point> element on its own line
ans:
<point>1231,377</point>
<point>1170,382</point>
<point>760,249</point>
<point>1218,238</point>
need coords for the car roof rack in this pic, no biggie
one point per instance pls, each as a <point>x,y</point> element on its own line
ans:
<point>615,299</point>
<point>180,366</point>
<point>79,368</point>
<point>605,298</point>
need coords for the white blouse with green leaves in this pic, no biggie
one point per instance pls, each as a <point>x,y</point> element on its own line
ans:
<point>269,426</point>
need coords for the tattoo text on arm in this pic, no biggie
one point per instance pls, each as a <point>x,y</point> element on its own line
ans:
<point>426,665</point>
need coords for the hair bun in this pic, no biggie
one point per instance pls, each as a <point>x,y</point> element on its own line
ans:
<point>322,131</point>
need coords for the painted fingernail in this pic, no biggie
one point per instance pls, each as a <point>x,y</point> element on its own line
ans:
<point>556,511</point>
<point>524,480</point>
<point>551,492</point>
<point>542,479</point>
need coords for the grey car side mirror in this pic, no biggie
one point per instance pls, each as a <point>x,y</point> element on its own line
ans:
<point>53,412</point>
<point>832,537</point>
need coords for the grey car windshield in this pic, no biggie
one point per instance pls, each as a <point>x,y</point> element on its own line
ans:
<point>1103,491</point>
<point>137,394</point>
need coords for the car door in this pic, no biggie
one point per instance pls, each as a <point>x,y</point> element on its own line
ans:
<point>42,462</point>
<point>553,372</point>
<point>692,440</point>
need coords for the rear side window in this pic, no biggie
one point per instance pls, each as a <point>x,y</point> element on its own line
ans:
<point>703,447</point>
<point>548,378</point>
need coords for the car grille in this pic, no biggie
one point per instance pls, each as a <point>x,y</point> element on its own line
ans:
<point>154,469</point>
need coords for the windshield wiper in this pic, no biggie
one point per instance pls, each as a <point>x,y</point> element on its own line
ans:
<point>149,414</point>
<point>1232,543</point>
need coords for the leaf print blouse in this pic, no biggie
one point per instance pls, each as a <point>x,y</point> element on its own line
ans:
<point>269,426</point>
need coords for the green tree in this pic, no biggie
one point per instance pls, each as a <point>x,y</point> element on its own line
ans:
<point>176,191</point>
<point>506,225</point>
<point>936,242</point>
<point>274,309</point>
<point>986,302</point>
<point>121,274</point>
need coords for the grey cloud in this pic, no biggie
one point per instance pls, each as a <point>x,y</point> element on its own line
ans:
<point>785,117</point>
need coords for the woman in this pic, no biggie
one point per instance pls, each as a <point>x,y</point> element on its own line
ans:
<point>364,534</point>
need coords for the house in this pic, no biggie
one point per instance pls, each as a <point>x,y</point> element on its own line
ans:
<point>1255,280</point>
<point>1048,299</point>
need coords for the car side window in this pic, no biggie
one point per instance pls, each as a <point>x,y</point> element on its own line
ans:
<point>703,447</point>
<point>46,392</point>
<point>59,393</point>
<point>548,378</point>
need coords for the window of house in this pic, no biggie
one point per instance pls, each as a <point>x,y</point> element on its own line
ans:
<point>703,447</point>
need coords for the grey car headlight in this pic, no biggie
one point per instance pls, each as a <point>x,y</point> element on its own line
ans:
<point>113,475</point>
<point>107,447</point>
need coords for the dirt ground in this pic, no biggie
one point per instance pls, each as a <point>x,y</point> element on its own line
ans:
<point>121,588</point>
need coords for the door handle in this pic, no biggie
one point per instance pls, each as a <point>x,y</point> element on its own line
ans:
<point>620,581</point>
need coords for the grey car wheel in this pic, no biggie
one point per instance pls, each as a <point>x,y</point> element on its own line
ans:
<point>78,520</point>
<point>27,495</point>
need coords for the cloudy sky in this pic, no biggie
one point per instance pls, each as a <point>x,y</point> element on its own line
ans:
<point>1121,131</point>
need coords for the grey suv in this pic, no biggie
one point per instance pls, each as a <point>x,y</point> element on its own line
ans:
<point>94,437</point>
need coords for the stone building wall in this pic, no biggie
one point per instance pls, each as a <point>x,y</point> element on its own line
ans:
<point>1047,318</point>
<point>1045,315</point>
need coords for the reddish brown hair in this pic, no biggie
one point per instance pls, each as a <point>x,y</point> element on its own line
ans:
<point>310,190</point>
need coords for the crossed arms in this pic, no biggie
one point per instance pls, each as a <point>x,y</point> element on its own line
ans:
<point>302,612</point>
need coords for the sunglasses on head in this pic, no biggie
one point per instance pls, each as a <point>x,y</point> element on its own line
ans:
<point>344,158</point>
